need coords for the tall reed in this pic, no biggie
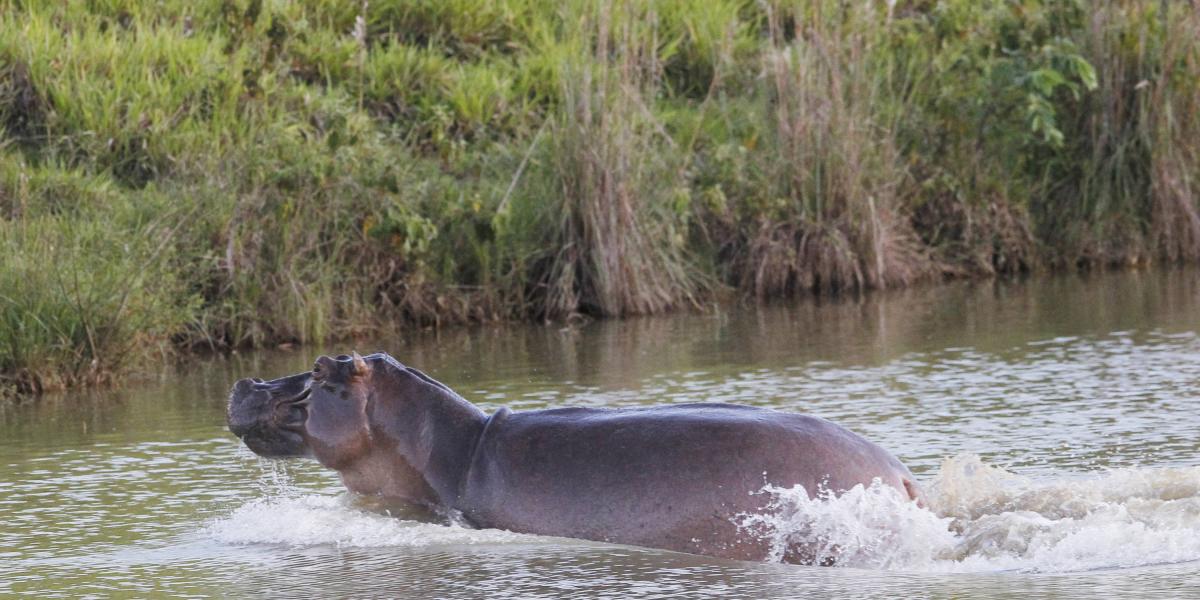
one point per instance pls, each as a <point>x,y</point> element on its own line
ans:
<point>615,240</point>
<point>830,170</point>
<point>1175,155</point>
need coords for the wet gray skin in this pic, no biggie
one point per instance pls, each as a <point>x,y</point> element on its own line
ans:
<point>671,477</point>
<point>269,416</point>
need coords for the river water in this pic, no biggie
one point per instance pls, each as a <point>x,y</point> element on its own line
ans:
<point>1054,424</point>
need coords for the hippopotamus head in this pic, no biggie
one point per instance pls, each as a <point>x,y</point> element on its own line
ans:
<point>320,414</point>
<point>387,429</point>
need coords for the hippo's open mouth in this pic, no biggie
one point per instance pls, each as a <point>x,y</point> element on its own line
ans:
<point>270,416</point>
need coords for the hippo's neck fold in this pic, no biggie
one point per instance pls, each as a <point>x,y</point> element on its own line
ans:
<point>430,428</point>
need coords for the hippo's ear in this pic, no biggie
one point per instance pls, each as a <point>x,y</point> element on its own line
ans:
<point>360,365</point>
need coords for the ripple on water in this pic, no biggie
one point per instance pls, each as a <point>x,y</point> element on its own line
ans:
<point>1071,403</point>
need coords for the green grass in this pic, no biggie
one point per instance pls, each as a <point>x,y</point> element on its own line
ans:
<point>238,173</point>
<point>83,300</point>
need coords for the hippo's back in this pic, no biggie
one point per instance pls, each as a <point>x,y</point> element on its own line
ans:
<point>669,477</point>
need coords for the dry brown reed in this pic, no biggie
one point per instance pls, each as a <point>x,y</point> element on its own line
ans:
<point>832,164</point>
<point>617,250</point>
<point>1175,126</point>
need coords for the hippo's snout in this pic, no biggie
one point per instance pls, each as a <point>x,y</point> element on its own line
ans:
<point>245,406</point>
<point>269,415</point>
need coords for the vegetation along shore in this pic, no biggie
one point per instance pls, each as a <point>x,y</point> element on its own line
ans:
<point>236,173</point>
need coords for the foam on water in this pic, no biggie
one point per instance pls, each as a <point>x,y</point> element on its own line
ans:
<point>291,515</point>
<point>312,520</point>
<point>981,518</point>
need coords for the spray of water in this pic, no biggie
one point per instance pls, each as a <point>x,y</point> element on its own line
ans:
<point>872,526</point>
<point>981,518</point>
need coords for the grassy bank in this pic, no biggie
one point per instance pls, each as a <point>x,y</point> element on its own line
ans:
<point>234,173</point>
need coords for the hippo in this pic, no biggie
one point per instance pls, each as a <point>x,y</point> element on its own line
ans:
<point>674,477</point>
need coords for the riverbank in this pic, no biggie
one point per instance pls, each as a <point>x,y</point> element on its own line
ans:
<point>236,173</point>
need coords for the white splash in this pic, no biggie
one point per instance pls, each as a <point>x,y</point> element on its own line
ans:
<point>314,520</point>
<point>986,519</point>
<point>873,526</point>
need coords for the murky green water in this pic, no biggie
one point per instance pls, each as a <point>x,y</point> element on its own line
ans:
<point>1056,423</point>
